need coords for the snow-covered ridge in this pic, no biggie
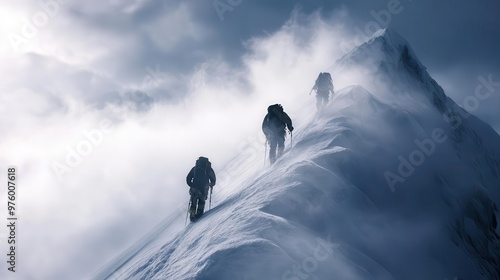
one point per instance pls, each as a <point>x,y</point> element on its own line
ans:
<point>327,210</point>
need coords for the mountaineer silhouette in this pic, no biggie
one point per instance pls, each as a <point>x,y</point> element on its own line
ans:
<point>199,179</point>
<point>323,87</point>
<point>273,126</point>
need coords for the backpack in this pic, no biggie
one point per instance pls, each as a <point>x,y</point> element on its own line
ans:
<point>274,118</point>
<point>324,82</point>
<point>200,176</point>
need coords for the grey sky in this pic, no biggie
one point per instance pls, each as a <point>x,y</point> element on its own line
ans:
<point>457,41</point>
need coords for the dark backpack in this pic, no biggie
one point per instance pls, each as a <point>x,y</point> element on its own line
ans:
<point>200,176</point>
<point>275,118</point>
<point>324,82</point>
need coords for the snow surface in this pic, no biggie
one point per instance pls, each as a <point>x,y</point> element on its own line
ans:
<point>326,209</point>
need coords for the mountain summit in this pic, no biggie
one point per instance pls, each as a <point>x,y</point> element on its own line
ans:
<point>390,58</point>
<point>392,181</point>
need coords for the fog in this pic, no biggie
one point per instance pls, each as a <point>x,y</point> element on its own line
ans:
<point>101,162</point>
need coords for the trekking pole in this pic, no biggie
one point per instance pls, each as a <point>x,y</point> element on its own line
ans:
<point>210,201</point>
<point>311,90</point>
<point>265,153</point>
<point>291,139</point>
<point>187,212</point>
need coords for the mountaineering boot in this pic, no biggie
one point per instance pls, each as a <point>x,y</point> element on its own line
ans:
<point>280,151</point>
<point>272,158</point>
<point>192,212</point>
<point>192,209</point>
<point>201,207</point>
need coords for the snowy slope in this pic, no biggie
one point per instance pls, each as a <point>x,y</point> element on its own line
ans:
<point>382,185</point>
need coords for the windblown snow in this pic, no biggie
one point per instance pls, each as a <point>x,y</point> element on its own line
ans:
<point>392,181</point>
